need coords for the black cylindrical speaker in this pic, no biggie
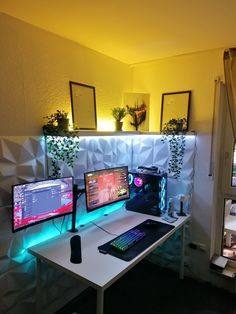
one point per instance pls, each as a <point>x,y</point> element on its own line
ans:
<point>75,245</point>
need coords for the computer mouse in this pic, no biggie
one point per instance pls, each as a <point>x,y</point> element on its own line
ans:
<point>151,223</point>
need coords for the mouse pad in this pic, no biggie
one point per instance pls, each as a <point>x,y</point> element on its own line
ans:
<point>154,230</point>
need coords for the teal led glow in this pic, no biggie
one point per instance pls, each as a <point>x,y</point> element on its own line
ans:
<point>162,194</point>
<point>130,178</point>
<point>87,217</point>
<point>163,183</point>
<point>48,232</point>
<point>162,204</point>
<point>21,257</point>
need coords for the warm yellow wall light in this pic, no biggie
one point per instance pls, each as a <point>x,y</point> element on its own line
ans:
<point>105,125</point>
<point>71,124</point>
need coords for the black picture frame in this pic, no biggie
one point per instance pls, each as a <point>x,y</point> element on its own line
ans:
<point>175,105</point>
<point>83,106</point>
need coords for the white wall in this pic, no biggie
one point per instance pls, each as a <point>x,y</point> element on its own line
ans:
<point>36,67</point>
<point>195,72</point>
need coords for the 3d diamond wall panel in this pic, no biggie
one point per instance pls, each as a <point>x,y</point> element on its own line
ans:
<point>150,151</point>
<point>22,159</point>
<point>98,153</point>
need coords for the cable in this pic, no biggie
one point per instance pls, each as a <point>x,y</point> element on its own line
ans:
<point>62,223</point>
<point>53,222</point>
<point>80,192</point>
<point>59,230</point>
<point>103,229</point>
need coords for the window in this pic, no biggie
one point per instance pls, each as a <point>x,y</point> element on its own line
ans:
<point>233,174</point>
<point>228,245</point>
<point>225,166</point>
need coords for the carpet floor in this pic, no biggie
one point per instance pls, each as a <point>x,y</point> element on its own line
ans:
<point>150,289</point>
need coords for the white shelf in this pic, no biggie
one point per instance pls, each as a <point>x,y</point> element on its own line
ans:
<point>91,133</point>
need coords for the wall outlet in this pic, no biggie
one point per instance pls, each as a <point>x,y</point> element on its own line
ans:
<point>197,246</point>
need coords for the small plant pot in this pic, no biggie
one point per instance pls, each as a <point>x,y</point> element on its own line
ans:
<point>63,124</point>
<point>118,125</point>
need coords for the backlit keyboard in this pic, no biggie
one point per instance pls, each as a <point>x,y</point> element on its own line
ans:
<point>127,239</point>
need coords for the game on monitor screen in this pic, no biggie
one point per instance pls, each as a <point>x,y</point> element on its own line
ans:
<point>103,187</point>
<point>39,201</point>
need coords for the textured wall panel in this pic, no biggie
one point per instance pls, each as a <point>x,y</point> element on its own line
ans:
<point>150,151</point>
<point>122,151</point>
<point>160,153</point>
<point>98,153</point>
<point>23,159</point>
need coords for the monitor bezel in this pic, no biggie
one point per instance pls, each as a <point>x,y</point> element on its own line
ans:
<point>45,219</point>
<point>107,204</point>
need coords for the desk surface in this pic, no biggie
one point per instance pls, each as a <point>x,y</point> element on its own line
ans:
<point>97,269</point>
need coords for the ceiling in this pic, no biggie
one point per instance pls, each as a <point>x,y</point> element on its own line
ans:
<point>134,31</point>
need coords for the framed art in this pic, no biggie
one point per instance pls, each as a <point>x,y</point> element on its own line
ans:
<point>83,106</point>
<point>138,111</point>
<point>175,106</point>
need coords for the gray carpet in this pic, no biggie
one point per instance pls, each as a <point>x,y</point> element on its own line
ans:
<point>149,289</point>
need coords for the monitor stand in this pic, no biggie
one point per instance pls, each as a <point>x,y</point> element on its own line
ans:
<point>181,213</point>
<point>75,198</point>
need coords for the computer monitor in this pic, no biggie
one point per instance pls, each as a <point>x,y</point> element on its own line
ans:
<point>106,186</point>
<point>36,202</point>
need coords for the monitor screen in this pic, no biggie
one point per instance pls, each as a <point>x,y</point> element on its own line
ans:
<point>39,201</point>
<point>103,187</point>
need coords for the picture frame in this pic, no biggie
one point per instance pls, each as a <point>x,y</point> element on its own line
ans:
<point>83,106</point>
<point>137,99</point>
<point>175,105</point>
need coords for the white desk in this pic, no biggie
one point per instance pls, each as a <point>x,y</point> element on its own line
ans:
<point>98,270</point>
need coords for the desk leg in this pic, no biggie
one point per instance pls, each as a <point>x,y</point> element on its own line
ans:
<point>100,297</point>
<point>181,271</point>
<point>38,286</point>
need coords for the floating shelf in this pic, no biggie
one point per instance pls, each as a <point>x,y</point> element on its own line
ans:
<point>114,133</point>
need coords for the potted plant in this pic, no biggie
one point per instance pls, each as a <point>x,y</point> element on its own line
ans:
<point>58,123</point>
<point>62,145</point>
<point>174,132</point>
<point>118,114</point>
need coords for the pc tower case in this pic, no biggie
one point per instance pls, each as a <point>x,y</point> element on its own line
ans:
<point>148,193</point>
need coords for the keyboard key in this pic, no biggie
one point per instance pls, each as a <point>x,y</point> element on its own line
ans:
<point>127,239</point>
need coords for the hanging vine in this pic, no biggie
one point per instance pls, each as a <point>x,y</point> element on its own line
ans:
<point>174,133</point>
<point>62,144</point>
<point>62,148</point>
